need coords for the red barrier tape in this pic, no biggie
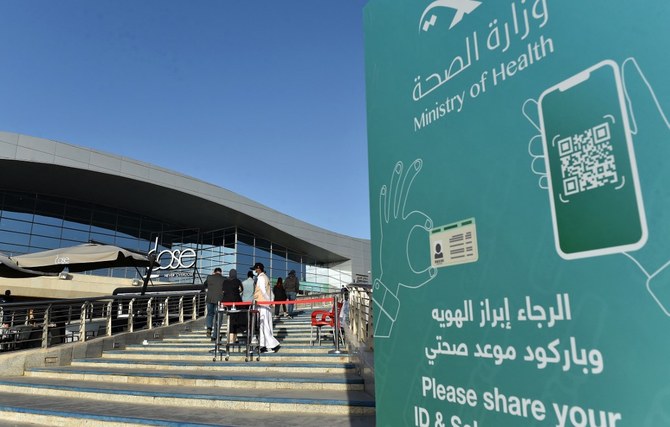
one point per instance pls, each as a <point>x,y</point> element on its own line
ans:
<point>295,302</point>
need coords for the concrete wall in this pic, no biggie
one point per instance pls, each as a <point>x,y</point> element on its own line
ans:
<point>78,286</point>
<point>16,362</point>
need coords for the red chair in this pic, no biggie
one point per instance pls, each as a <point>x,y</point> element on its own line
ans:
<point>321,318</point>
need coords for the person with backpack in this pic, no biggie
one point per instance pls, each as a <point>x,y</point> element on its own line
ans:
<point>292,286</point>
<point>232,292</point>
<point>214,286</point>
<point>280,295</point>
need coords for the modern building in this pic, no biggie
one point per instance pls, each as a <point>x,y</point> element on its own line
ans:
<point>54,195</point>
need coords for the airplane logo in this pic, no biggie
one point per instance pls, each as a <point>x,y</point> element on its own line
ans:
<point>462,7</point>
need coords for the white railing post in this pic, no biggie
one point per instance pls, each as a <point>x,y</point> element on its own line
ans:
<point>181,309</point>
<point>166,317</point>
<point>110,306</point>
<point>82,322</point>
<point>45,327</point>
<point>131,326</point>
<point>150,313</point>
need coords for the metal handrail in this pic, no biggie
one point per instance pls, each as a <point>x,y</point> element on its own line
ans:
<point>319,295</point>
<point>54,322</point>
<point>360,320</point>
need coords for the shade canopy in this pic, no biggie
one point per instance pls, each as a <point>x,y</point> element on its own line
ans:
<point>85,257</point>
<point>9,268</point>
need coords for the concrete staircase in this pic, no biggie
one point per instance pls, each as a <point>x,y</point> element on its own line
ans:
<point>175,382</point>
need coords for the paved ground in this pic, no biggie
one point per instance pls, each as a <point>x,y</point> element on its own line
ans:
<point>54,405</point>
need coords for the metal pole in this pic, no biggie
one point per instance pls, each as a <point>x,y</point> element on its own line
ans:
<point>336,332</point>
<point>152,260</point>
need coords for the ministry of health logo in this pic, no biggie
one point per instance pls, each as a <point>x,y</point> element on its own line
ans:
<point>462,7</point>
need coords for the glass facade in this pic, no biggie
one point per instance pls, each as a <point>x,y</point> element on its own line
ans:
<point>32,223</point>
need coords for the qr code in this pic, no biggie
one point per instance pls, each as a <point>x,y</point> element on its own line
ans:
<point>587,161</point>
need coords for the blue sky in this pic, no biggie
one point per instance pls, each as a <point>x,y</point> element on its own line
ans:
<point>264,98</point>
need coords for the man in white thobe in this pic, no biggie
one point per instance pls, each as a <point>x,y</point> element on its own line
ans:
<point>262,293</point>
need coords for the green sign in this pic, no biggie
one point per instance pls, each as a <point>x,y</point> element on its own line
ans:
<point>521,212</point>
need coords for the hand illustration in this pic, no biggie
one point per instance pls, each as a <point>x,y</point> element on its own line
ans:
<point>396,228</point>
<point>650,152</point>
<point>530,110</point>
<point>650,126</point>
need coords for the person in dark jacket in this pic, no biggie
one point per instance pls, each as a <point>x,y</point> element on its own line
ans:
<point>214,286</point>
<point>232,291</point>
<point>6,314</point>
<point>292,287</point>
<point>280,295</point>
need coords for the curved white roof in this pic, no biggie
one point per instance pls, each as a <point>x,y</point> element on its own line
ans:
<point>80,173</point>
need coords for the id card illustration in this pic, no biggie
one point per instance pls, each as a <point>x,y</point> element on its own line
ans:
<point>454,244</point>
<point>594,190</point>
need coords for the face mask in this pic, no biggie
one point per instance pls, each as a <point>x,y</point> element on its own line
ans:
<point>255,273</point>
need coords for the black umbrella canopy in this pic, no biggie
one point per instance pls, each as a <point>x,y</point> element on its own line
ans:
<point>9,268</point>
<point>85,257</point>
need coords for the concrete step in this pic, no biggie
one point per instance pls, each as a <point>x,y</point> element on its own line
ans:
<point>302,340</point>
<point>288,329</point>
<point>203,354</point>
<point>179,381</point>
<point>290,339</point>
<point>288,348</point>
<point>205,338</point>
<point>190,378</point>
<point>208,365</point>
<point>297,332</point>
<point>16,423</point>
<point>334,402</point>
<point>24,410</point>
<point>277,329</point>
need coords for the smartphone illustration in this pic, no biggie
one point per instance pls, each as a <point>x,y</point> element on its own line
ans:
<point>594,190</point>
